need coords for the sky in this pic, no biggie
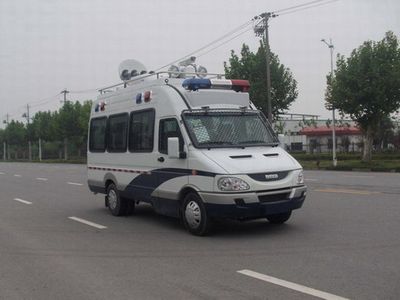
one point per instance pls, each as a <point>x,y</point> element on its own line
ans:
<point>47,46</point>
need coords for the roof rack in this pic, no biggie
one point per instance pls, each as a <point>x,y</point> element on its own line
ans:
<point>159,75</point>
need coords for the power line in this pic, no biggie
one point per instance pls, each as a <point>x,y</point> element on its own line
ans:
<point>304,8</point>
<point>209,44</point>
<point>225,42</point>
<point>85,91</point>
<point>297,6</point>
<point>44,101</point>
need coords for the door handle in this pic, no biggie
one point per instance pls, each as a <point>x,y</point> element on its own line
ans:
<point>161,159</point>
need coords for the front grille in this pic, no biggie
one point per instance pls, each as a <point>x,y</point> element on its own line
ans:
<point>269,176</point>
<point>273,198</point>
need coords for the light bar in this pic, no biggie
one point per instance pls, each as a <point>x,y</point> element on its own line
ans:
<point>237,85</point>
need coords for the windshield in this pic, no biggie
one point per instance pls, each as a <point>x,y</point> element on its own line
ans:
<point>212,129</point>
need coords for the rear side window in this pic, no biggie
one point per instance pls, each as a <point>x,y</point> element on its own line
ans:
<point>117,133</point>
<point>141,131</point>
<point>97,135</point>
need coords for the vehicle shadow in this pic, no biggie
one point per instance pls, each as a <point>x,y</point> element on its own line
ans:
<point>222,228</point>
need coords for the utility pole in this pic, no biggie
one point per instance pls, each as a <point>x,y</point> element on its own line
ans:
<point>28,118</point>
<point>5,143</point>
<point>334,159</point>
<point>65,92</point>
<point>259,31</point>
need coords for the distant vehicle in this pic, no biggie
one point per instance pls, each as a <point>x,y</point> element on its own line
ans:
<point>195,148</point>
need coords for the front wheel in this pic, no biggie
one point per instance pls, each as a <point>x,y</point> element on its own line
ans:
<point>195,216</point>
<point>279,218</point>
<point>117,205</point>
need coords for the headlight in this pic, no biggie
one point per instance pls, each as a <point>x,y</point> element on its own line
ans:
<point>300,178</point>
<point>232,184</point>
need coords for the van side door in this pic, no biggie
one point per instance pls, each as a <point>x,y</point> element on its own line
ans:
<point>172,172</point>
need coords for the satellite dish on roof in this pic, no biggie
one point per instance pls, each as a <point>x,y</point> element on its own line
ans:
<point>130,68</point>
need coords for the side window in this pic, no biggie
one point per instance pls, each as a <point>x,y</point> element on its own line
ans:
<point>117,133</point>
<point>168,128</point>
<point>141,131</point>
<point>97,135</point>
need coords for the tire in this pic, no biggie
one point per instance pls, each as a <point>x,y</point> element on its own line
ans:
<point>117,205</point>
<point>194,215</point>
<point>279,218</point>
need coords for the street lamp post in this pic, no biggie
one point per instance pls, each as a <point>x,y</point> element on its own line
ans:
<point>334,159</point>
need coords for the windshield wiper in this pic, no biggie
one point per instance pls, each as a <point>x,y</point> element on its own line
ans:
<point>252,142</point>
<point>216,143</point>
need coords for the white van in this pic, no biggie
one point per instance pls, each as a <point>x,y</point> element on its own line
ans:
<point>195,149</point>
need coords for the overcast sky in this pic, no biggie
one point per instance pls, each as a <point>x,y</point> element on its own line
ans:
<point>49,45</point>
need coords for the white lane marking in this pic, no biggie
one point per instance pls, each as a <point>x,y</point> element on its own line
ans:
<point>74,183</point>
<point>17,175</point>
<point>41,178</point>
<point>88,222</point>
<point>291,285</point>
<point>2,173</point>
<point>22,201</point>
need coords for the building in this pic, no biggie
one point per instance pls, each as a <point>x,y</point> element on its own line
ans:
<point>319,139</point>
<point>313,135</point>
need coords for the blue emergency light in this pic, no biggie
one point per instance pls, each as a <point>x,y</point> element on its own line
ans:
<point>194,84</point>
<point>238,85</point>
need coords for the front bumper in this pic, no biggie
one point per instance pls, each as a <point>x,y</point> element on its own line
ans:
<point>253,205</point>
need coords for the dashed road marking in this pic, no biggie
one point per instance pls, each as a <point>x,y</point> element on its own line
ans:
<point>75,183</point>
<point>291,285</point>
<point>345,191</point>
<point>17,175</point>
<point>2,173</point>
<point>98,226</point>
<point>41,179</point>
<point>22,201</point>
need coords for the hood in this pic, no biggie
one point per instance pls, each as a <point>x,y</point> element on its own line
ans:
<point>252,159</point>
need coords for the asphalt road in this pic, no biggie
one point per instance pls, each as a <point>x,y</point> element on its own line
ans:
<point>344,242</point>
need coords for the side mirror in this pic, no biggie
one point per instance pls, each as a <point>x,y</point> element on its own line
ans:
<point>173,148</point>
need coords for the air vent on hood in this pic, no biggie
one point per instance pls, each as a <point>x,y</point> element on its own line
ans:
<point>271,154</point>
<point>240,156</point>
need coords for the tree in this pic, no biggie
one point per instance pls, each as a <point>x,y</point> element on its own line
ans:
<point>43,125</point>
<point>252,66</point>
<point>15,134</point>
<point>366,86</point>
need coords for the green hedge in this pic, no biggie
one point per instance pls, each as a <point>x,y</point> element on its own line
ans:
<point>345,156</point>
<point>354,165</point>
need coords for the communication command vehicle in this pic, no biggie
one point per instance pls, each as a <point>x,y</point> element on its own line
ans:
<point>192,145</point>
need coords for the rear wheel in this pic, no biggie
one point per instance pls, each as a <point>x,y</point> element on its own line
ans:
<point>279,218</point>
<point>195,216</point>
<point>117,205</point>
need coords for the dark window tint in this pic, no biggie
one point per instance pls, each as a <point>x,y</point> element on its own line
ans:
<point>169,128</point>
<point>141,133</point>
<point>97,136</point>
<point>117,133</point>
